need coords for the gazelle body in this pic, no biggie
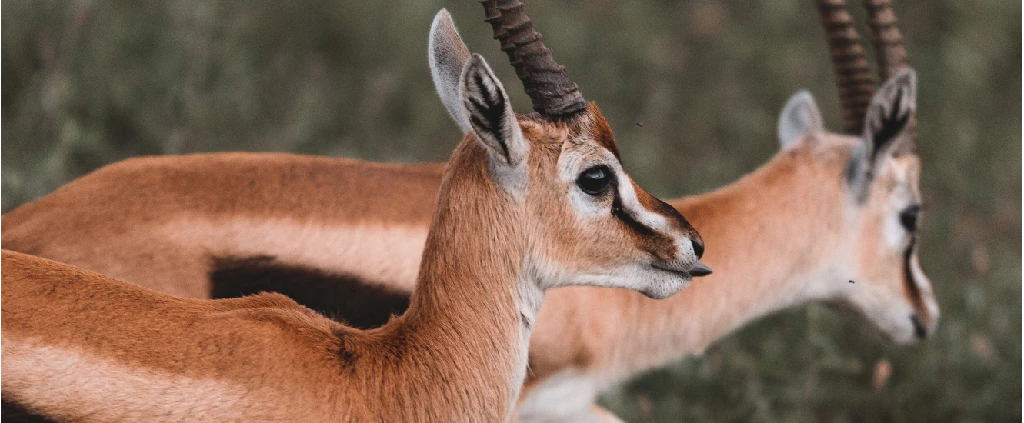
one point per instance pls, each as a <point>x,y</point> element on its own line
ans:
<point>521,207</point>
<point>830,217</point>
<point>585,339</point>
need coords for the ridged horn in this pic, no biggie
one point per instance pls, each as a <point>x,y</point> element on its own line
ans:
<point>892,57</point>
<point>493,17</point>
<point>889,50</point>
<point>853,73</point>
<point>552,93</point>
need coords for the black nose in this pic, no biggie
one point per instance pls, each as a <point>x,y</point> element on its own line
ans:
<point>698,247</point>
<point>919,328</point>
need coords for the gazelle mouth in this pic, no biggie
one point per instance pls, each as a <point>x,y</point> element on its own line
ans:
<point>920,331</point>
<point>673,270</point>
<point>697,270</point>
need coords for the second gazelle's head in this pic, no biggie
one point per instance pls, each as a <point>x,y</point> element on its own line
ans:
<point>873,181</point>
<point>875,202</point>
<point>585,221</point>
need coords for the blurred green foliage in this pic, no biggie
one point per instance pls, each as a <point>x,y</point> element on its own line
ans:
<point>691,88</point>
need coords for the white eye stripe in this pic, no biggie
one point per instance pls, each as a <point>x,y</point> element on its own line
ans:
<point>894,233</point>
<point>924,286</point>
<point>573,163</point>
<point>632,204</point>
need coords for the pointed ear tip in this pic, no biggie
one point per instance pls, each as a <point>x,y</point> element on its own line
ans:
<point>441,19</point>
<point>470,66</point>
<point>476,60</point>
<point>906,76</point>
<point>799,101</point>
<point>476,65</point>
<point>798,98</point>
<point>442,15</point>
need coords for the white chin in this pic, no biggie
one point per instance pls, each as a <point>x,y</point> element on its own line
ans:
<point>900,334</point>
<point>664,285</point>
<point>651,282</point>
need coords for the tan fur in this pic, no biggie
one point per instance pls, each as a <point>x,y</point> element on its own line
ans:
<point>137,207</point>
<point>763,263</point>
<point>623,333</point>
<point>458,353</point>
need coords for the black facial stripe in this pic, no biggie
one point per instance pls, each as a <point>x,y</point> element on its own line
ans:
<point>347,298</point>
<point>913,291</point>
<point>620,213</point>
<point>919,330</point>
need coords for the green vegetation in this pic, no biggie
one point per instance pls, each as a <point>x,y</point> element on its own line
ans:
<point>692,90</point>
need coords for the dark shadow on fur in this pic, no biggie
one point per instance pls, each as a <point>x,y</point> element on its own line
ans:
<point>346,298</point>
<point>13,412</point>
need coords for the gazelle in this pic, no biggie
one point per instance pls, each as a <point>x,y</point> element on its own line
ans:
<point>525,203</point>
<point>830,217</point>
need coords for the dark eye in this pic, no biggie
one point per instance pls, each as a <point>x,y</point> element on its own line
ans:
<point>908,217</point>
<point>595,181</point>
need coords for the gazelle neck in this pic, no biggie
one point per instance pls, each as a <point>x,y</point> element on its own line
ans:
<point>771,239</point>
<point>473,293</point>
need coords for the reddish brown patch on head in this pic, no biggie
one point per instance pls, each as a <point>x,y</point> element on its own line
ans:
<point>913,291</point>
<point>600,131</point>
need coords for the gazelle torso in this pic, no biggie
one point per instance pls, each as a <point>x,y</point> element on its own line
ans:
<point>309,212</point>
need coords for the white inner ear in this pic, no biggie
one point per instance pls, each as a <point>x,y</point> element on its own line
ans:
<point>447,55</point>
<point>799,118</point>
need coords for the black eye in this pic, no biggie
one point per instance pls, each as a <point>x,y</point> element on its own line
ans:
<point>595,181</point>
<point>908,217</point>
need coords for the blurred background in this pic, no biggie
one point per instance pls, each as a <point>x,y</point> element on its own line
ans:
<point>692,90</point>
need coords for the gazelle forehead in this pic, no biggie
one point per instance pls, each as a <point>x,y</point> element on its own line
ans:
<point>899,179</point>
<point>593,128</point>
<point>907,169</point>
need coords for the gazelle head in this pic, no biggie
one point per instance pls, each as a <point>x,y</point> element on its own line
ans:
<point>586,222</point>
<point>883,177</point>
<point>879,177</point>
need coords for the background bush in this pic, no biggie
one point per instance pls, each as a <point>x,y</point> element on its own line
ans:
<point>692,89</point>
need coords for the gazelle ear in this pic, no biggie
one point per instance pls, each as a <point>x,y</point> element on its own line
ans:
<point>886,124</point>
<point>447,55</point>
<point>487,109</point>
<point>887,128</point>
<point>800,117</point>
